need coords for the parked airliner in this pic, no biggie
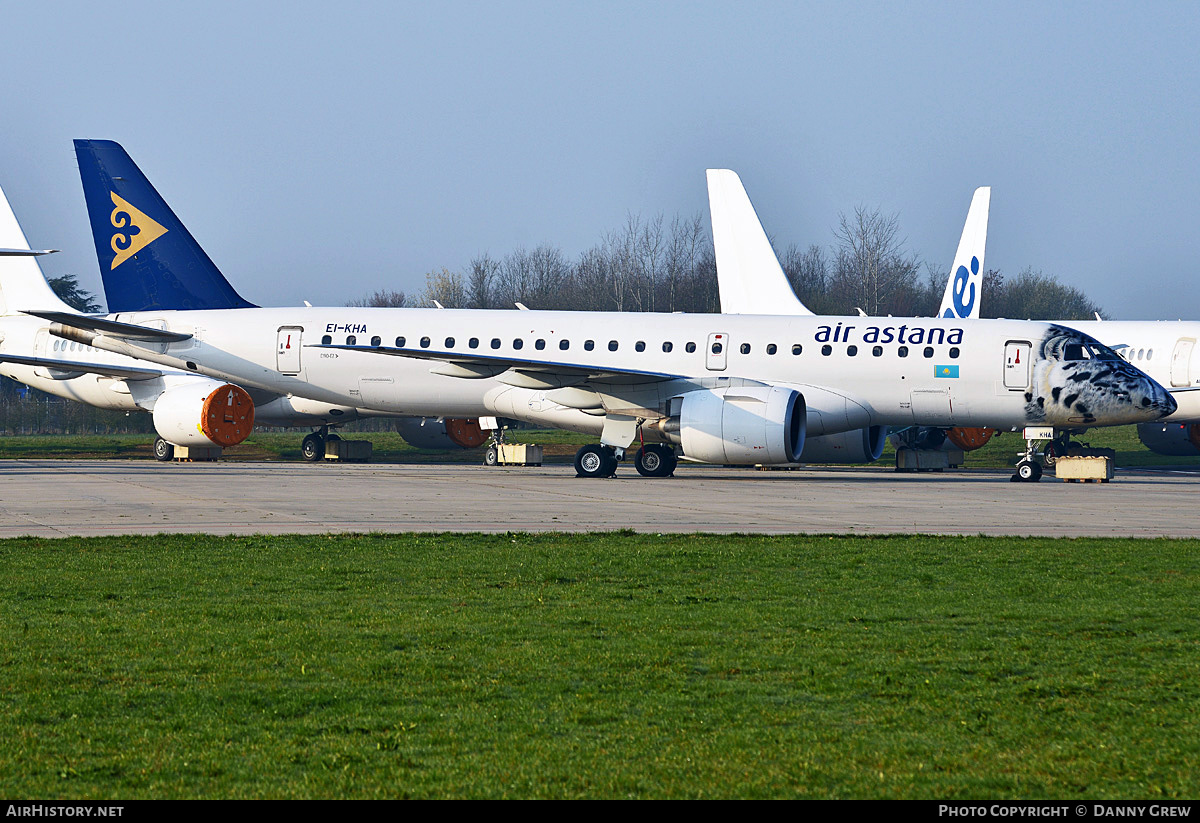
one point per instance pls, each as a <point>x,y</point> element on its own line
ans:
<point>727,389</point>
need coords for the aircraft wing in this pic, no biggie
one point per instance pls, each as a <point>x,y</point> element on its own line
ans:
<point>113,328</point>
<point>70,366</point>
<point>462,364</point>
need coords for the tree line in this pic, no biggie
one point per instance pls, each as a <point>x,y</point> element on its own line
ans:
<point>665,265</point>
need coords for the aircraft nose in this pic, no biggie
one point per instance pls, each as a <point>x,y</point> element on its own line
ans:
<point>1156,399</point>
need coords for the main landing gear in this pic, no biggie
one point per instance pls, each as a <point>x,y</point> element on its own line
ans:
<point>312,448</point>
<point>654,460</point>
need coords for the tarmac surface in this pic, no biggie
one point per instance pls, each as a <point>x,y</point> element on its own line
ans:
<point>58,498</point>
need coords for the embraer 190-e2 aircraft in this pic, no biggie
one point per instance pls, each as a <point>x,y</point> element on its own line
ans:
<point>726,389</point>
<point>1166,350</point>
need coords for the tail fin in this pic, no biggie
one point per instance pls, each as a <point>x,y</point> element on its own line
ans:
<point>749,276</point>
<point>148,260</point>
<point>962,295</point>
<point>22,285</point>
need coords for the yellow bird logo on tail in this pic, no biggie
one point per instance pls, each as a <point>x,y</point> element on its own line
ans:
<point>135,230</point>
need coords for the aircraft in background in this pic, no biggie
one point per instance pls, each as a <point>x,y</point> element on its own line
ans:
<point>725,388</point>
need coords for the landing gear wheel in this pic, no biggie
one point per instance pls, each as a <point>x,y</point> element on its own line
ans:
<point>595,461</point>
<point>163,451</point>
<point>313,448</point>
<point>491,457</point>
<point>654,461</point>
<point>1028,471</point>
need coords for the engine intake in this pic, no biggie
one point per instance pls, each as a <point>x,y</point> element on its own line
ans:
<point>741,425</point>
<point>1179,439</point>
<point>204,413</point>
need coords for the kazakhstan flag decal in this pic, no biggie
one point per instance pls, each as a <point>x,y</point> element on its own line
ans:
<point>945,371</point>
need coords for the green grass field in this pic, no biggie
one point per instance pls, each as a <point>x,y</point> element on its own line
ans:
<point>614,665</point>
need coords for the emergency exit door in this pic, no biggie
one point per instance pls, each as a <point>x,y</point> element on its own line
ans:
<point>1181,360</point>
<point>1016,364</point>
<point>287,360</point>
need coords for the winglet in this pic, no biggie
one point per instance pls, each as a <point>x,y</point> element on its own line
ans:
<point>962,295</point>
<point>749,276</point>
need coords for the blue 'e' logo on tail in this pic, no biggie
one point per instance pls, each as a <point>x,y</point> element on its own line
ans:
<point>964,290</point>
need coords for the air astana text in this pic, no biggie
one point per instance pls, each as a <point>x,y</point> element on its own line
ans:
<point>889,334</point>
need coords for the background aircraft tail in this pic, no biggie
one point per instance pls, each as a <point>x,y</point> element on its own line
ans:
<point>749,276</point>
<point>22,285</point>
<point>148,260</point>
<point>962,295</point>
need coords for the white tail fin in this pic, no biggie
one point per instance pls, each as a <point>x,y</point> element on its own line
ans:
<point>22,285</point>
<point>963,292</point>
<point>748,273</point>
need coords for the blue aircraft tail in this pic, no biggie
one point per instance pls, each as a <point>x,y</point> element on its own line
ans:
<point>148,260</point>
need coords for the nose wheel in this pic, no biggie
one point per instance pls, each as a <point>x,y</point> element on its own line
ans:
<point>1029,469</point>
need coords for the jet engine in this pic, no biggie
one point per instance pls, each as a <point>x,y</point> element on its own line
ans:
<point>204,413</point>
<point>741,425</point>
<point>1178,439</point>
<point>856,446</point>
<point>441,433</point>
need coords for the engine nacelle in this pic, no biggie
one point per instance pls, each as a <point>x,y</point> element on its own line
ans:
<point>969,439</point>
<point>204,413</point>
<point>742,425</point>
<point>1178,439</point>
<point>441,433</point>
<point>857,446</point>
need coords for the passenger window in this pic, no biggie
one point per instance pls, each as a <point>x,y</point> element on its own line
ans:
<point>690,347</point>
<point>564,344</point>
<point>827,350</point>
<point>902,351</point>
<point>495,342</point>
<point>327,339</point>
<point>772,348</point>
<point>351,340</point>
<point>639,345</point>
<point>612,345</point>
<point>1149,353</point>
<point>667,347</point>
<point>449,342</point>
<point>518,343</point>
<point>539,344</point>
<point>954,353</point>
<point>797,348</point>
<point>877,351</point>
<point>717,348</point>
<point>424,342</point>
<point>473,342</point>
<point>852,350</point>
<point>745,348</point>
<point>928,351</point>
<point>399,342</point>
<point>588,345</point>
<point>376,340</point>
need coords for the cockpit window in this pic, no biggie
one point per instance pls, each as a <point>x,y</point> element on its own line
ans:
<point>1075,351</point>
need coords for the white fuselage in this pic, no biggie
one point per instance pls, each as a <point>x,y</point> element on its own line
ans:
<point>853,372</point>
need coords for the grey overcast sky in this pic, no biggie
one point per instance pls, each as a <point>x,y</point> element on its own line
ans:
<point>320,151</point>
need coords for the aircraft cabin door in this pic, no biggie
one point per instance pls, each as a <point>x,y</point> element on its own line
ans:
<point>1016,364</point>
<point>1181,360</point>
<point>718,351</point>
<point>287,360</point>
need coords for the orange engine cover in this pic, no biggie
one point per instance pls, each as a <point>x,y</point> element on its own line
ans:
<point>465,432</point>
<point>227,417</point>
<point>969,439</point>
<point>1194,434</point>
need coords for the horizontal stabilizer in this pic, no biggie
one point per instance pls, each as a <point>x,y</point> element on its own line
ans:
<point>127,331</point>
<point>120,372</point>
<point>25,252</point>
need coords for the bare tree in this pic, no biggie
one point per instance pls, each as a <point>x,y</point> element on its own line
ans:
<point>872,270</point>
<point>480,282</point>
<point>445,287</point>
<point>383,298</point>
